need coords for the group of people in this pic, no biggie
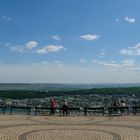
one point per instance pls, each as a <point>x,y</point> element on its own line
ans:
<point>64,108</point>
<point>119,103</point>
<point>53,106</point>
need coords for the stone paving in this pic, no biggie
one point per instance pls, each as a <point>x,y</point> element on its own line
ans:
<point>19,127</point>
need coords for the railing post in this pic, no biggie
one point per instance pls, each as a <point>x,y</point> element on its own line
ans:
<point>11,110</point>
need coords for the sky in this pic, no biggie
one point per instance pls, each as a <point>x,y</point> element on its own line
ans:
<point>69,41</point>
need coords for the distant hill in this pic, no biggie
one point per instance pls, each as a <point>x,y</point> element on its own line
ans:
<point>55,86</point>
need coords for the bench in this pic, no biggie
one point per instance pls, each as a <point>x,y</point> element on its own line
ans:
<point>41,109</point>
<point>136,109</point>
<point>3,109</point>
<point>94,110</point>
<point>115,110</point>
<point>27,109</point>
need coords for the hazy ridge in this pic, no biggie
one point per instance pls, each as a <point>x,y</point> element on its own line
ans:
<point>55,86</point>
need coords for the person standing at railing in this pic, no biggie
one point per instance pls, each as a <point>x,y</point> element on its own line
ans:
<point>115,105</point>
<point>65,108</point>
<point>53,106</point>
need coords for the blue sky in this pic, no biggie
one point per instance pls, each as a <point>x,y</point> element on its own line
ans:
<point>70,41</point>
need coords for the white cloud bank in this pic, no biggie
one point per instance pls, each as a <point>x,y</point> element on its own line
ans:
<point>128,63</point>
<point>60,73</point>
<point>89,37</point>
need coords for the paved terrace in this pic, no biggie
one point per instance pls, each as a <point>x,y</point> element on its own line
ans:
<point>19,127</point>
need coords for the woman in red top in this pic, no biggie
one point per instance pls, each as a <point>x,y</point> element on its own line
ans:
<point>53,106</point>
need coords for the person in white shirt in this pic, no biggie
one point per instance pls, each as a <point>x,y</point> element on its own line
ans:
<point>122,103</point>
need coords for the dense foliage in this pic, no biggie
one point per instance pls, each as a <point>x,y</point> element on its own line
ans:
<point>22,94</point>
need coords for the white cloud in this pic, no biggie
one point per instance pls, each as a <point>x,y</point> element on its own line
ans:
<point>106,64</point>
<point>135,50</point>
<point>50,48</point>
<point>31,44</point>
<point>123,64</point>
<point>137,46</point>
<point>54,48</point>
<point>89,37</point>
<point>130,20</point>
<point>23,48</point>
<point>109,64</point>
<point>126,52</point>
<point>56,37</point>
<point>41,51</point>
<point>129,63</point>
